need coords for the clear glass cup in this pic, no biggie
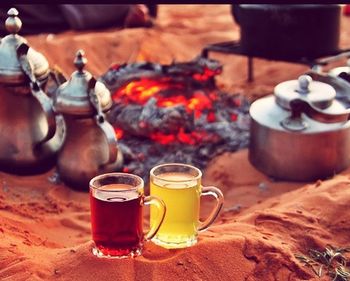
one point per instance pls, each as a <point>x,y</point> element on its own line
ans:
<point>116,202</point>
<point>179,186</point>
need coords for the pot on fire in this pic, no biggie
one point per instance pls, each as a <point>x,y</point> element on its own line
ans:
<point>90,146</point>
<point>30,132</point>
<point>301,133</point>
<point>288,31</point>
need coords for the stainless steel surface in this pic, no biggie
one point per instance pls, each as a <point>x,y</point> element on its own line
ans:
<point>72,96</point>
<point>10,70</point>
<point>30,133</point>
<point>318,93</point>
<point>269,114</point>
<point>298,156</point>
<point>299,106</point>
<point>23,129</point>
<point>90,147</point>
<point>85,153</point>
<point>43,100</point>
<point>101,121</point>
<point>300,141</point>
<point>341,86</point>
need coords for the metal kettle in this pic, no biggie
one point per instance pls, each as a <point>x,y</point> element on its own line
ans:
<point>30,132</point>
<point>90,145</point>
<point>301,133</point>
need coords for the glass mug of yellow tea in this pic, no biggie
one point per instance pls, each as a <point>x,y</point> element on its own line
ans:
<point>116,202</point>
<point>179,186</point>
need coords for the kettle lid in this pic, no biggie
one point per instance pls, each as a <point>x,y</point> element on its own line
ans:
<point>10,69</point>
<point>73,97</point>
<point>317,93</point>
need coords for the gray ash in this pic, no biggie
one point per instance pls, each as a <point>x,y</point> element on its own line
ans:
<point>174,113</point>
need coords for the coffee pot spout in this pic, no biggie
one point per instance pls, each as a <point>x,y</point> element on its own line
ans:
<point>38,93</point>
<point>105,126</point>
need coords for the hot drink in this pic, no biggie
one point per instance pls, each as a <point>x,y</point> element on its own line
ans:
<point>116,220</point>
<point>179,186</point>
<point>182,201</point>
<point>116,202</point>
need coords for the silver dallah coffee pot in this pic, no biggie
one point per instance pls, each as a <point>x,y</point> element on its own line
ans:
<point>90,145</point>
<point>30,134</point>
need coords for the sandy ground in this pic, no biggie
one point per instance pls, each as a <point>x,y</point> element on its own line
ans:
<point>45,228</point>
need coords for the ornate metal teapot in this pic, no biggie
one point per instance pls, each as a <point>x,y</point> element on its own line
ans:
<point>90,145</point>
<point>30,133</point>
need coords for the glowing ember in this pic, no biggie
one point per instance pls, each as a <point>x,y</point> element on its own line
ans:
<point>119,133</point>
<point>141,91</point>
<point>207,74</point>
<point>192,138</point>
<point>174,113</point>
<point>168,94</point>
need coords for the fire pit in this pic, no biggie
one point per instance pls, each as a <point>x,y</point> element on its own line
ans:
<point>174,113</point>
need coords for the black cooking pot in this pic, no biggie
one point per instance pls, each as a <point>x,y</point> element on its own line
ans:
<point>288,31</point>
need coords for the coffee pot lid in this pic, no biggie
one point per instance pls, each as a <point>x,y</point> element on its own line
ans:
<point>317,93</point>
<point>74,96</point>
<point>10,69</point>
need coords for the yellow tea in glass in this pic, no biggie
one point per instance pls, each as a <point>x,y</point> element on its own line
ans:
<point>179,186</point>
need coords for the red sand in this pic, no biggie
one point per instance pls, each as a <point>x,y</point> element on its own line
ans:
<point>45,228</point>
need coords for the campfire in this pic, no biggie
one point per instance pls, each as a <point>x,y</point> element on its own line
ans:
<point>174,113</point>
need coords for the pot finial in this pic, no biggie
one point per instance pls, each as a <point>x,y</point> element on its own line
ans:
<point>304,82</point>
<point>13,23</point>
<point>73,96</point>
<point>80,60</point>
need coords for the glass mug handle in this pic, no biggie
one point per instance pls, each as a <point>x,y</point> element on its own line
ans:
<point>149,200</point>
<point>213,191</point>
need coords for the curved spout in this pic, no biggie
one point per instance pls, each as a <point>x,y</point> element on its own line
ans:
<point>105,126</point>
<point>37,92</point>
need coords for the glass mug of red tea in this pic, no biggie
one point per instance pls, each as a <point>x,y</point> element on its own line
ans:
<point>179,186</point>
<point>116,202</point>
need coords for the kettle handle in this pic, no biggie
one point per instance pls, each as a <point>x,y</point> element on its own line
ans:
<point>299,106</point>
<point>37,92</point>
<point>105,126</point>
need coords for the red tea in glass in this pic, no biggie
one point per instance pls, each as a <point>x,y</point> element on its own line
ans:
<point>116,202</point>
<point>113,233</point>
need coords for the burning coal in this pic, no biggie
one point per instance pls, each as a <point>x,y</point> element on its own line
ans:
<point>174,113</point>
